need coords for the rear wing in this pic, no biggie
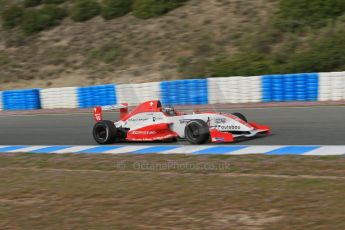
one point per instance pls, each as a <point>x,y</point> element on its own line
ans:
<point>98,111</point>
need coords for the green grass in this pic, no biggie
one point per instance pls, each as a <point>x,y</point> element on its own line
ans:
<point>112,192</point>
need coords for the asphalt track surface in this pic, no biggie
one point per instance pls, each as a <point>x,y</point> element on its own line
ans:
<point>290,126</point>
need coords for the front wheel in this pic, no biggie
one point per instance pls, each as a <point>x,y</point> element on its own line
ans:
<point>104,132</point>
<point>197,132</point>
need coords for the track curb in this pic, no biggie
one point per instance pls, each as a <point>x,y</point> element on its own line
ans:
<point>311,150</point>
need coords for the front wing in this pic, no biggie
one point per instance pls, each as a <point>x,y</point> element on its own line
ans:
<point>219,136</point>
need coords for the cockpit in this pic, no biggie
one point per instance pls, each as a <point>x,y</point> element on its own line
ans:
<point>168,110</point>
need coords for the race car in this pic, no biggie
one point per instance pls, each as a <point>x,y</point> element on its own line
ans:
<point>150,121</point>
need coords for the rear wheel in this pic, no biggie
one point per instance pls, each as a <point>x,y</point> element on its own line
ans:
<point>197,132</point>
<point>104,132</point>
<point>241,116</point>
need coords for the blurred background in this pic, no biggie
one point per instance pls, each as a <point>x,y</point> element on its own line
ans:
<point>71,55</point>
<point>55,43</point>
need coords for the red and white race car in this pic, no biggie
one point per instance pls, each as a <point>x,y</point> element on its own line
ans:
<point>152,122</point>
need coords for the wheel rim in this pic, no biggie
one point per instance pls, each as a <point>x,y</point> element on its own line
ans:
<point>101,133</point>
<point>194,132</point>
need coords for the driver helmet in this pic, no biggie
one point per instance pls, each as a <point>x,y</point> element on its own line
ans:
<point>169,110</point>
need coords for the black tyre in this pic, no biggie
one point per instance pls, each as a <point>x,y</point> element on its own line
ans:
<point>197,132</point>
<point>104,132</point>
<point>241,116</point>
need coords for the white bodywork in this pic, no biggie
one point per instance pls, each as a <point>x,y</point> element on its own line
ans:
<point>222,122</point>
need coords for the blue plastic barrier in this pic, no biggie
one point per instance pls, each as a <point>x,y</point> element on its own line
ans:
<point>184,92</point>
<point>96,96</point>
<point>21,99</point>
<point>1,108</point>
<point>275,88</point>
<point>290,87</point>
